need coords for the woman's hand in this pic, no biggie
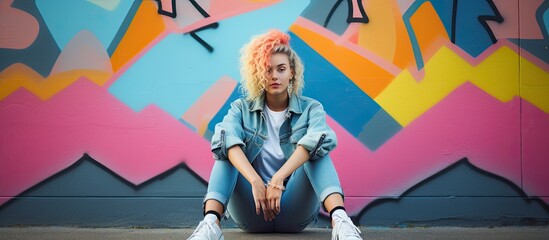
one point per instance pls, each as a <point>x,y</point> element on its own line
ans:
<point>274,195</point>
<point>240,161</point>
<point>261,203</point>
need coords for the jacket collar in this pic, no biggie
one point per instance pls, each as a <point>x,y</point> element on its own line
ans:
<point>294,106</point>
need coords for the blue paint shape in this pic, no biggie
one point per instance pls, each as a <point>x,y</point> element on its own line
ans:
<point>464,21</point>
<point>123,27</point>
<point>87,194</point>
<point>536,47</point>
<point>546,20</point>
<point>444,10</point>
<point>378,130</point>
<point>66,18</point>
<point>236,94</point>
<point>342,99</point>
<point>318,11</point>
<point>460,195</point>
<point>472,34</point>
<point>41,54</point>
<point>178,70</point>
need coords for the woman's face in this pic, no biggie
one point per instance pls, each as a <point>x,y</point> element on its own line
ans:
<point>279,74</point>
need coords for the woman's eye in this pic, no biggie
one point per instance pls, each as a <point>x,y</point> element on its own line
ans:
<point>281,69</point>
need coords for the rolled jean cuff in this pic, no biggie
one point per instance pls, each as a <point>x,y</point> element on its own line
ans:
<point>329,191</point>
<point>215,196</point>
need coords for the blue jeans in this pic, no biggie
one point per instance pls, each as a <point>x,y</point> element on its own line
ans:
<point>306,189</point>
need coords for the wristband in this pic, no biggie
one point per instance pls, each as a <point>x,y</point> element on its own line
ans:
<point>269,184</point>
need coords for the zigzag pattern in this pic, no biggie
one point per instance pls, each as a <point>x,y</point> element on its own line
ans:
<point>85,118</point>
<point>496,72</point>
<point>468,123</point>
<point>20,76</point>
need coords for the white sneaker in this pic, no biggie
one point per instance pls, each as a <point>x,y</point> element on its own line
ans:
<point>344,229</point>
<point>207,230</point>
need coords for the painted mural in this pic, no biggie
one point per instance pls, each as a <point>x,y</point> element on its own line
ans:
<point>410,87</point>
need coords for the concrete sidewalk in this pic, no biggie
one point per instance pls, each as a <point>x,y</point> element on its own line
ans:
<point>310,233</point>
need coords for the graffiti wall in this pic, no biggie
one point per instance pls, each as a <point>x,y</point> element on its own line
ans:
<point>441,107</point>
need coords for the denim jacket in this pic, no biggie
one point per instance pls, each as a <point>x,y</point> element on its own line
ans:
<point>245,125</point>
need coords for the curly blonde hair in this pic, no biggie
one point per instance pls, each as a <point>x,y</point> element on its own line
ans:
<point>255,58</point>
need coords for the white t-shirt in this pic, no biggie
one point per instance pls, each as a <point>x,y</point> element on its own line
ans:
<point>271,157</point>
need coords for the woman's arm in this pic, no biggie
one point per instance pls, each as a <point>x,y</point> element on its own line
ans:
<point>241,163</point>
<point>298,158</point>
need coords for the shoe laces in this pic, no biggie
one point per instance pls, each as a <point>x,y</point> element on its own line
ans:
<point>204,229</point>
<point>346,229</point>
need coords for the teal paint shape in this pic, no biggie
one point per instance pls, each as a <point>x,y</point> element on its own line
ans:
<point>178,70</point>
<point>379,130</point>
<point>66,18</point>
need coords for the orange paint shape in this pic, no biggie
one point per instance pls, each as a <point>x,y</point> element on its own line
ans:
<point>19,75</point>
<point>144,28</point>
<point>379,36</point>
<point>404,55</point>
<point>386,36</point>
<point>429,30</point>
<point>206,107</point>
<point>367,75</point>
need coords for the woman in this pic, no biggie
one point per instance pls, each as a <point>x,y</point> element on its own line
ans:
<point>272,167</point>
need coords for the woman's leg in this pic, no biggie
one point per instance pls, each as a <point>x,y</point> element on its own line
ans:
<point>220,187</point>
<point>325,181</point>
<point>299,206</point>
<point>332,201</point>
<point>241,206</point>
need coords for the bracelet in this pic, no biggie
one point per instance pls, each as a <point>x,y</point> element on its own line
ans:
<point>269,184</point>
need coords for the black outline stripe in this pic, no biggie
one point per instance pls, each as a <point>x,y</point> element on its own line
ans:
<point>172,14</point>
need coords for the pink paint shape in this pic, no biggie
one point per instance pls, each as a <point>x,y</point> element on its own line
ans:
<point>218,11</point>
<point>356,10</point>
<point>468,123</point>
<point>187,14</point>
<point>166,6</point>
<point>18,29</point>
<point>207,106</point>
<point>229,8</point>
<point>40,139</point>
<point>403,5</point>
<point>535,151</point>
<point>84,51</point>
<point>509,9</point>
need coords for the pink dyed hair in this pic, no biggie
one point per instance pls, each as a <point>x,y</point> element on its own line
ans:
<point>255,58</point>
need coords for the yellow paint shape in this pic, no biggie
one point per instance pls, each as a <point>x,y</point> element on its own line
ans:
<point>19,75</point>
<point>144,28</point>
<point>405,99</point>
<point>534,85</point>
<point>368,76</point>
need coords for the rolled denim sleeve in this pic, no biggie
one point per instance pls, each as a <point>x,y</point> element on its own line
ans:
<point>228,132</point>
<point>320,139</point>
